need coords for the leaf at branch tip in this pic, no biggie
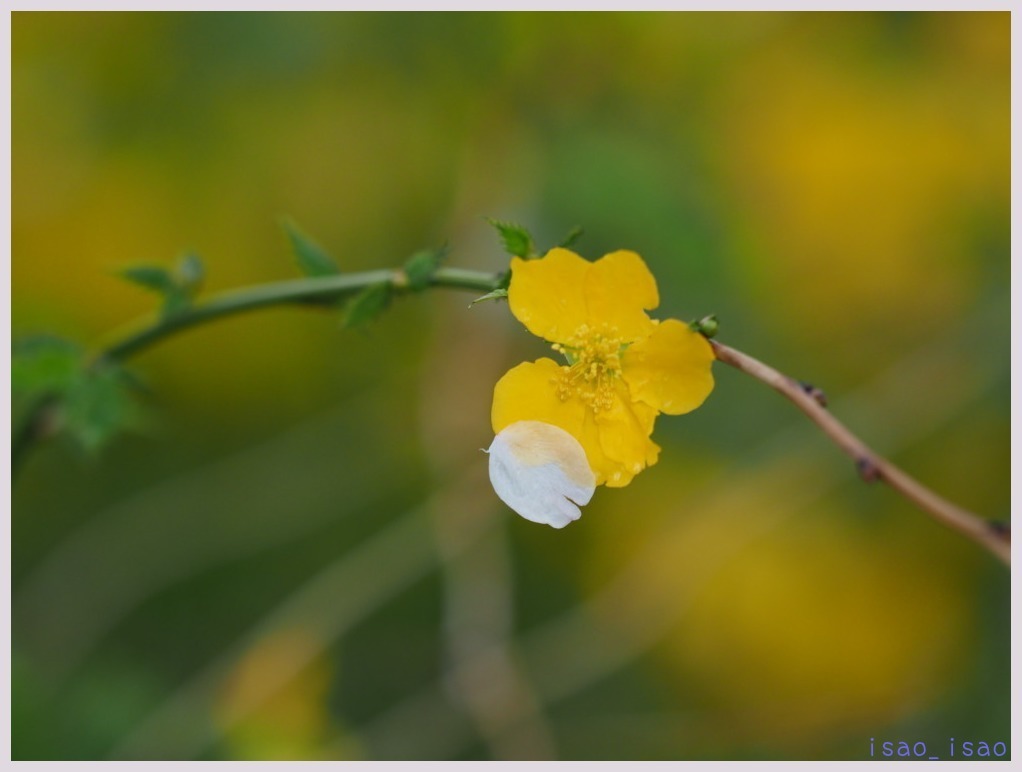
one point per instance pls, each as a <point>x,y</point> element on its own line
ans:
<point>420,267</point>
<point>573,235</point>
<point>496,294</point>
<point>517,240</point>
<point>312,259</point>
<point>366,305</point>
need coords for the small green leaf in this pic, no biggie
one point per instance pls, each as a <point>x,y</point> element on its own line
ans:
<point>311,257</point>
<point>90,404</point>
<point>98,406</point>
<point>500,291</point>
<point>44,364</point>
<point>421,266</point>
<point>190,272</point>
<point>161,281</point>
<point>366,305</point>
<point>496,294</point>
<point>517,240</point>
<point>152,277</point>
<point>573,235</point>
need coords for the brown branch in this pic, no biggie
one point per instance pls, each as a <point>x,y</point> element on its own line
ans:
<point>994,536</point>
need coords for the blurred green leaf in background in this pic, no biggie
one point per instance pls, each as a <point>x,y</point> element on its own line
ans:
<point>302,558</point>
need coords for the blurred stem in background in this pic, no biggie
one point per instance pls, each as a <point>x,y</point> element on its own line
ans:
<point>376,288</point>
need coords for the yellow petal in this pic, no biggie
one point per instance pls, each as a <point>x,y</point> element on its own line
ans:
<point>624,436</point>
<point>669,370</point>
<point>546,295</point>
<point>617,289</point>
<point>528,392</point>
<point>589,437</point>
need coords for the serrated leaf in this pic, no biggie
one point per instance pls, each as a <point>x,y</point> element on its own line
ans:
<point>517,240</point>
<point>311,257</point>
<point>366,305</point>
<point>573,235</point>
<point>97,407</point>
<point>421,266</point>
<point>496,294</point>
<point>44,364</point>
<point>190,272</point>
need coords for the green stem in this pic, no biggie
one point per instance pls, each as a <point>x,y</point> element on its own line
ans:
<point>320,290</point>
<point>294,292</point>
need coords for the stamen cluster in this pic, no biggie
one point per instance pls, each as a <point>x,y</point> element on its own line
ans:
<point>594,356</point>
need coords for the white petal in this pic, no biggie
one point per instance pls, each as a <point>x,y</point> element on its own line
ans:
<point>541,472</point>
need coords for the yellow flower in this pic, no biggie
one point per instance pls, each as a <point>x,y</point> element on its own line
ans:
<point>623,368</point>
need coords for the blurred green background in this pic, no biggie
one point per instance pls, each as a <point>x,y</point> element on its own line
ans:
<point>300,556</point>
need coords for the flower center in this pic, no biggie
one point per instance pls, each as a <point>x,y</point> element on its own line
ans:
<point>594,362</point>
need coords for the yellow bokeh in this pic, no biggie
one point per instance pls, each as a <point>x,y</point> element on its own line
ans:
<point>780,619</point>
<point>854,181</point>
<point>273,705</point>
<point>835,187</point>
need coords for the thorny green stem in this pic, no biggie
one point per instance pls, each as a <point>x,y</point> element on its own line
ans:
<point>297,291</point>
<point>143,335</point>
<point>324,290</point>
